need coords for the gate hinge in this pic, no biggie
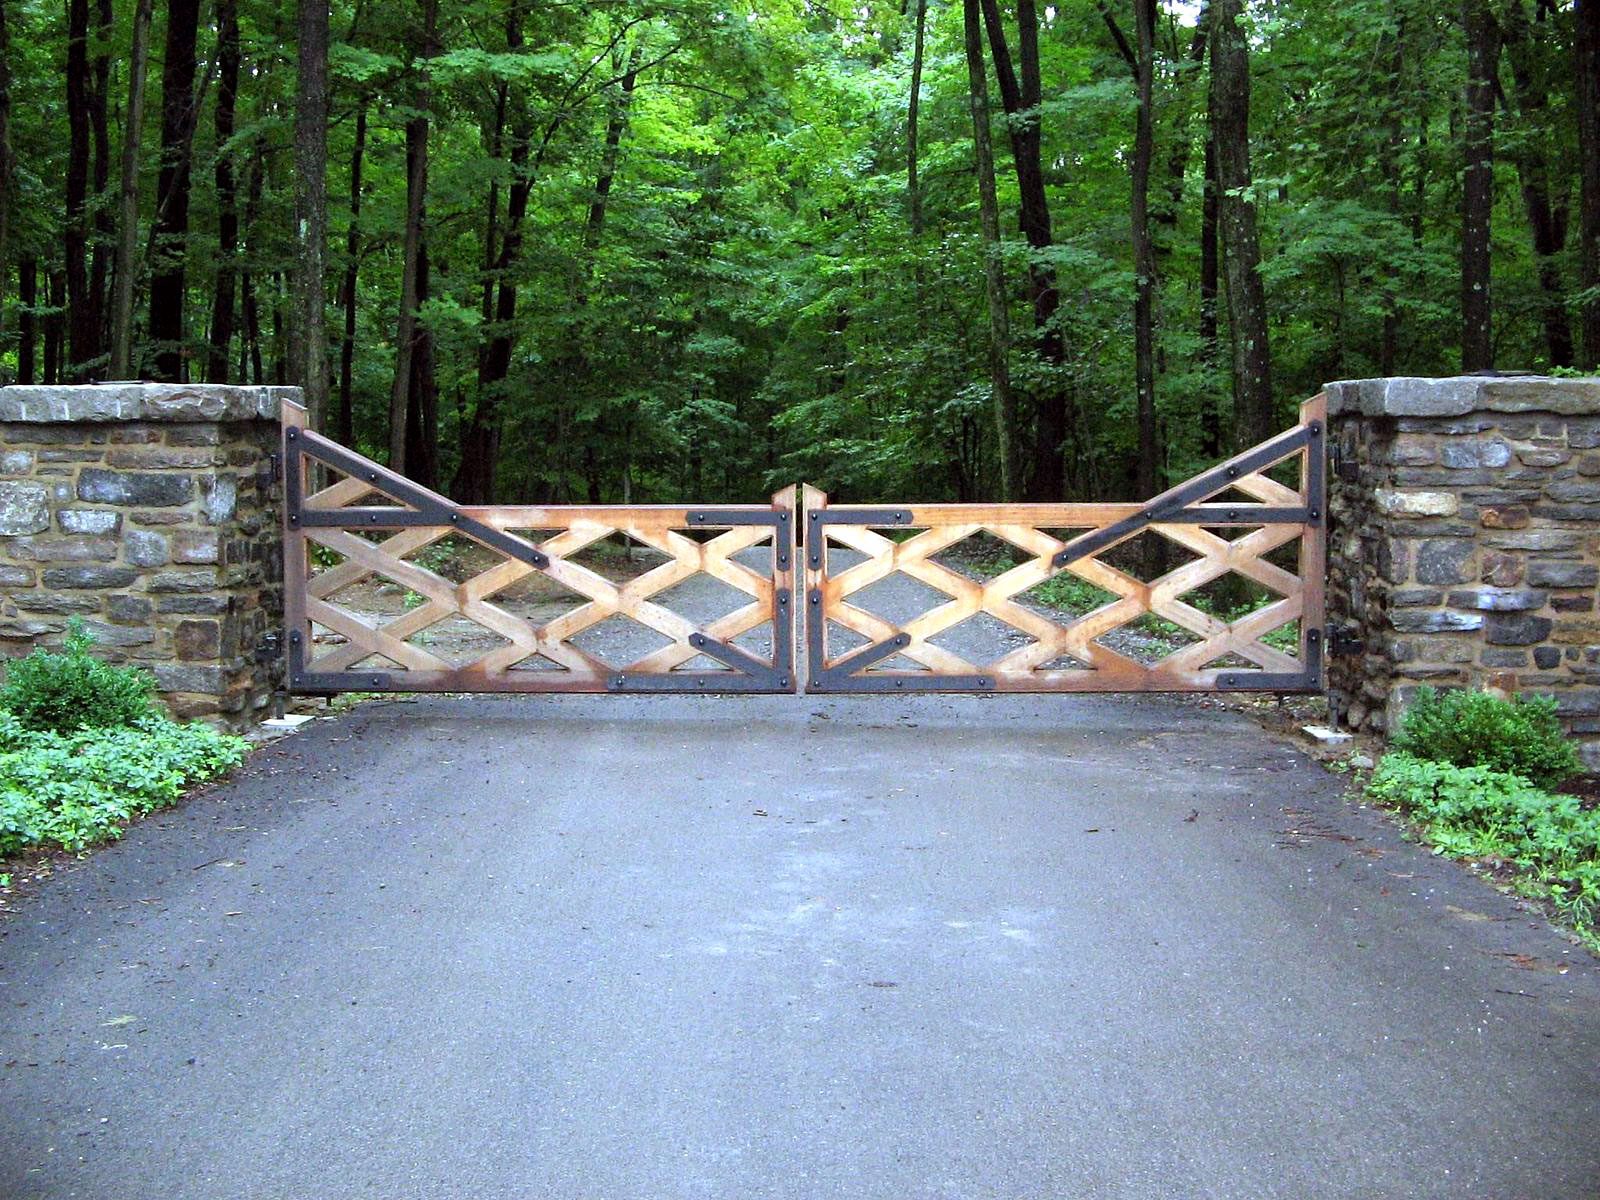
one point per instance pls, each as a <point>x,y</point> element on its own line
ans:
<point>1344,467</point>
<point>1344,641</point>
<point>269,646</point>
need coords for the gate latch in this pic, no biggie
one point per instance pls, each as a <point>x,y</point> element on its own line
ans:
<point>1344,641</point>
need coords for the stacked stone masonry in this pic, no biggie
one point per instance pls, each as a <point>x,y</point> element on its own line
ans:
<point>1465,542</point>
<point>149,511</point>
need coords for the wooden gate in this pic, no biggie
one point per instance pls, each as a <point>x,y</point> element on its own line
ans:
<point>1097,602</point>
<point>507,597</point>
<point>1215,585</point>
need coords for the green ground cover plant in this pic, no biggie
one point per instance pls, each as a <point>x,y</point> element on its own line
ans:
<point>83,750</point>
<point>1473,771</point>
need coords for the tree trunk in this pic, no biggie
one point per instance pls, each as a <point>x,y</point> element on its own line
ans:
<point>422,413</point>
<point>1144,261</point>
<point>1389,161</point>
<point>7,166</point>
<point>82,320</point>
<point>1586,52</point>
<point>416,197</point>
<point>344,423</point>
<point>1247,300</point>
<point>1477,189</point>
<point>128,218</point>
<point>311,208</point>
<point>1020,96</point>
<point>249,305</point>
<point>27,322</point>
<point>1164,214</point>
<point>480,433</point>
<point>1547,217</point>
<point>171,229</point>
<point>54,337</point>
<point>994,264</point>
<point>222,301</point>
<point>913,187</point>
<point>1210,286</point>
<point>104,228</point>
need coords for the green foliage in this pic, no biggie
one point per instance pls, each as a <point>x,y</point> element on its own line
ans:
<point>68,790</point>
<point>1476,729</point>
<point>74,690</point>
<point>1477,812</point>
<point>746,304</point>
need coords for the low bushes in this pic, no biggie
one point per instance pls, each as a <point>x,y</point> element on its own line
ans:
<point>83,750</point>
<point>1473,771</point>
<point>1477,729</point>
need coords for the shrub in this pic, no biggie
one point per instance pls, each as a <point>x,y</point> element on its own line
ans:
<point>73,689</point>
<point>1479,812</point>
<point>1475,729</point>
<point>66,790</point>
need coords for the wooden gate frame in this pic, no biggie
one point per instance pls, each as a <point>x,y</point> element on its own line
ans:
<point>420,516</point>
<point>1179,514</point>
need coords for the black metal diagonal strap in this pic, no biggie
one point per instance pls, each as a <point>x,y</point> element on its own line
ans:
<point>750,673</point>
<point>1173,506</point>
<point>843,675</point>
<point>429,508</point>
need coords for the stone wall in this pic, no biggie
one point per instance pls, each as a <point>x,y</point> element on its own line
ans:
<point>148,510</point>
<point>1465,542</point>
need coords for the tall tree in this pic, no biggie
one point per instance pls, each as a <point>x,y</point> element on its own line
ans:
<point>104,226</point>
<point>222,297</point>
<point>913,108</point>
<point>1586,55</point>
<point>311,207</point>
<point>1005,418</point>
<point>1547,211</point>
<point>1021,95</point>
<point>1247,299</point>
<point>8,189</point>
<point>1209,288</point>
<point>1144,257</point>
<point>82,320</point>
<point>416,198</point>
<point>171,227</point>
<point>344,423</point>
<point>27,322</point>
<point>1477,187</point>
<point>128,206</point>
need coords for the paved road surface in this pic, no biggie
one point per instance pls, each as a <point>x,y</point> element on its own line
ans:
<point>894,947</point>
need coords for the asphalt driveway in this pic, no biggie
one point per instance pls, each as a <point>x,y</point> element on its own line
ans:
<point>657,947</point>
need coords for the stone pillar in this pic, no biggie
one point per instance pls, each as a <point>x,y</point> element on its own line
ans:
<point>1465,542</point>
<point>149,510</point>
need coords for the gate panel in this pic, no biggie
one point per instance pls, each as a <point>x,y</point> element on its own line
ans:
<point>1227,520</point>
<point>369,610</point>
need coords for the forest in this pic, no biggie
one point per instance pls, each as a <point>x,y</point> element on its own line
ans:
<point>668,250</point>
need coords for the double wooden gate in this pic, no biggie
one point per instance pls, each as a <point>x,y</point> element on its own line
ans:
<point>1217,584</point>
